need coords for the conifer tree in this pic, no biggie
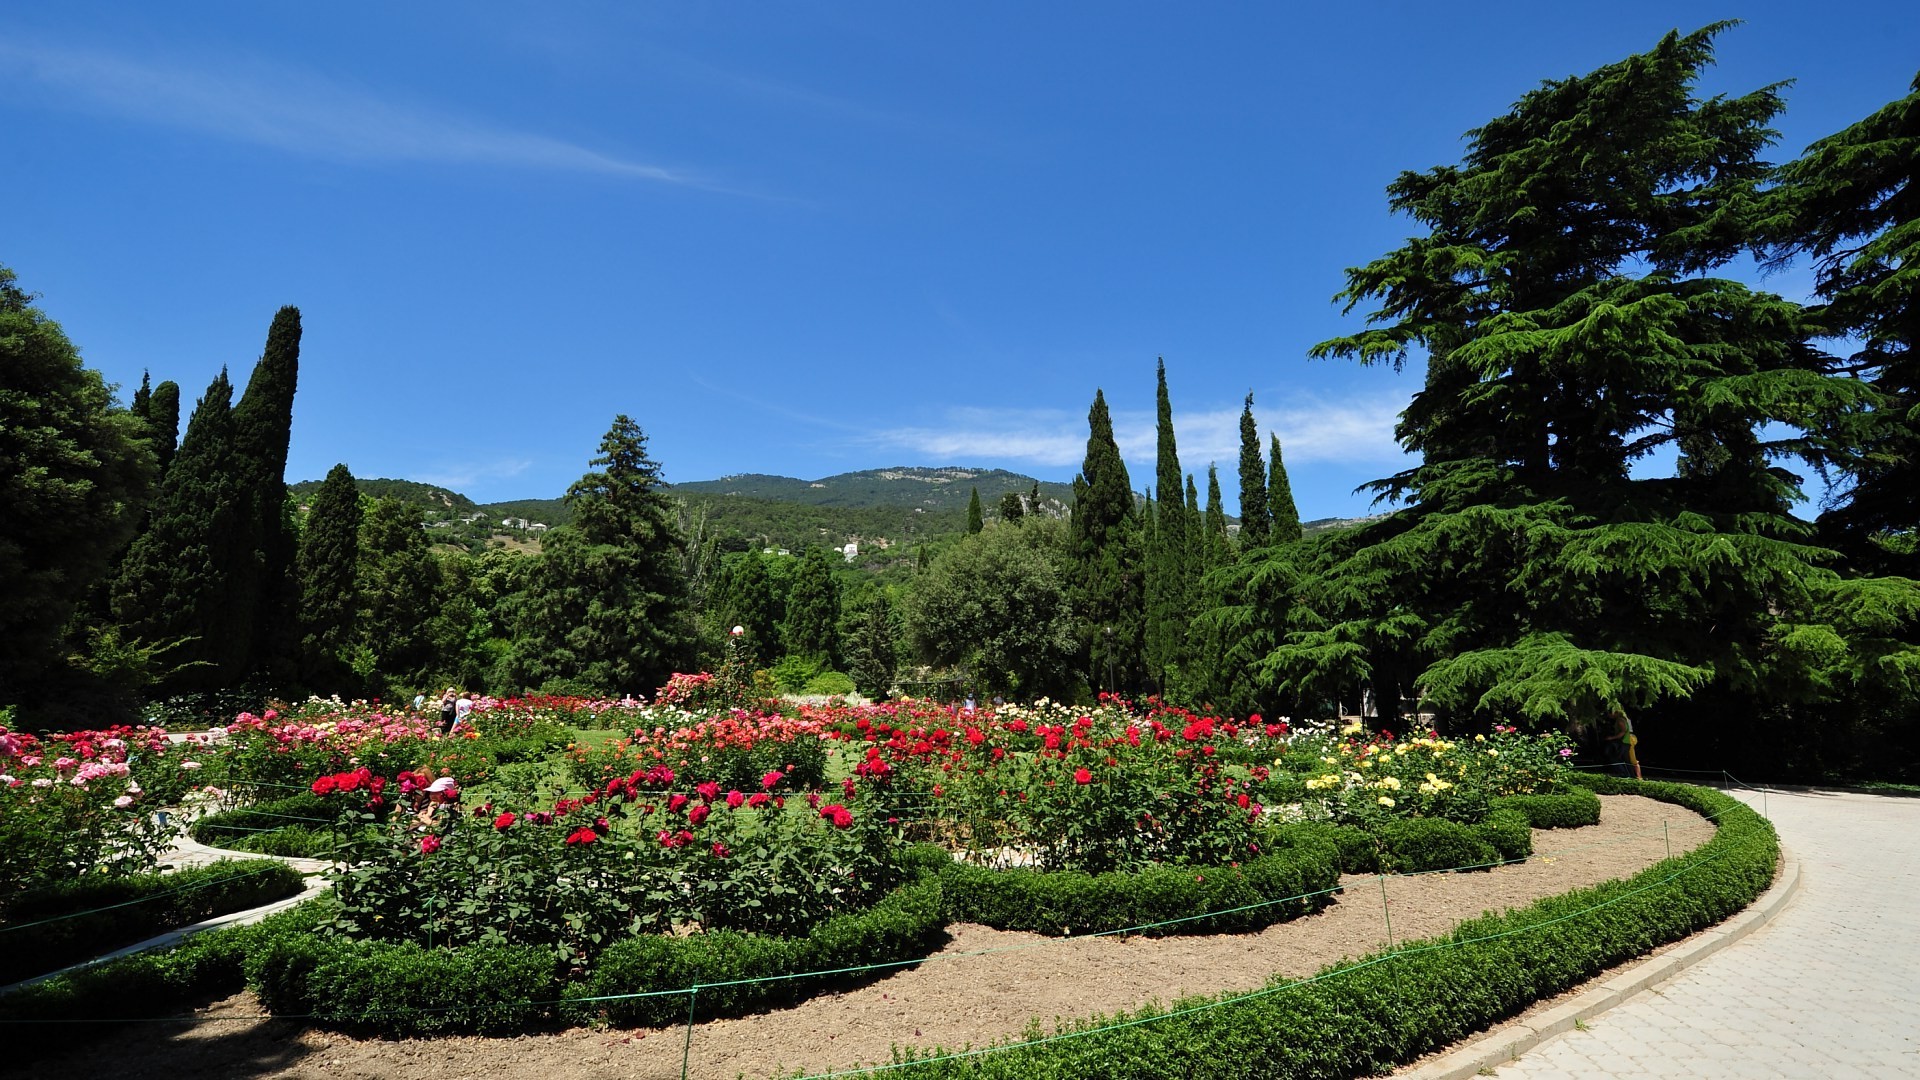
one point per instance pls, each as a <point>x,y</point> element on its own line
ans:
<point>1217,550</point>
<point>606,602</point>
<point>1105,586</point>
<point>749,604</point>
<point>1256,517</point>
<point>1010,508</point>
<point>872,648</point>
<point>812,626</point>
<point>75,477</point>
<point>263,583</point>
<point>329,565</point>
<point>1852,201</point>
<point>1562,291</point>
<point>975,520</point>
<point>1170,577</point>
<point>1284,517</point>
<point>163,419</point>
<point>399,598</point>
<point>171,588</point>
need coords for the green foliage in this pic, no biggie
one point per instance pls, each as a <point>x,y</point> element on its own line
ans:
<point>812,625</point>
<point>329,566</point>
<point>746,599</point>
<point>1106,579</point>
<point>832,683</point>
<point>974,520</point>
<point>408,989</point>
<point>1170,569</point>
<point>1285,517</point>
<point>75,474</point>
<point>399,593</point>
<point>873,648</point>
<point>994,606</point>
<point>1256,516</point>
<point>1259,892</point>
<point>64,924</point>
<point>908,923</point>
<point>1011,507</point>
<point>262,583</point>
<point>1554,811</point>
<point>303,825</point>
<point>606,601</point>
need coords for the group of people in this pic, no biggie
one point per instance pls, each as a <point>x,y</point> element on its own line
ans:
<point>455,704</point>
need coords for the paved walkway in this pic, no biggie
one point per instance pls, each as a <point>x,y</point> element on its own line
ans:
<point>1829,989</point>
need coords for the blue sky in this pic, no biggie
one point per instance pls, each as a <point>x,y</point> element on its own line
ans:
<point>793,238</point>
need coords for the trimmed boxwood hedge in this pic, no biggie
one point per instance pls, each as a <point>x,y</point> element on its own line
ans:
<point>1369,1016</point>
<point>299,825</point>
<point>1062,903</point>
<point>1570,810</point>
<point>95,915</point>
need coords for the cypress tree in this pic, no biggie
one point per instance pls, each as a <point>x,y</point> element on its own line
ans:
<point>1256,517</point>
<point>872,649</point>
<point>263,584</point>
<point>1010,507</point>
<point>749,604</point>
<point>1169,563</point>
<point>142,397</point>
<point>163,417</point>
<point>812,626</point>
<point>1284,516</point>
<point>1217,551</point>
<point>975,521</point>
<point>329,565</point>
<point>1106,583</point>
<point>399,598</point>
<point>172,586</point>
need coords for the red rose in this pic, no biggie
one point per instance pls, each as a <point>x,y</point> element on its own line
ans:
<point>1082,776</point>
<point>675,802</point>
<point>324,785</point>
<point>698,814</point>
<point>708,791</point>
<point>720,850</point>
<point>582,835</point>
<point>504,821</point>
<point>757,800</point>
<point>429,844</point>
<point>734,799</point>
<point>772,778</point>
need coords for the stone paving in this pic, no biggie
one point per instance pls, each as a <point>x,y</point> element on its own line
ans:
<point>1829,989</point>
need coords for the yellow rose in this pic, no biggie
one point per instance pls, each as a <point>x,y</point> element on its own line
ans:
<point>1386,802</point>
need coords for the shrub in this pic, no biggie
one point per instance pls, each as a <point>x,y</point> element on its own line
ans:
<point>247,828</point>
<point>401,988</point>
<point>67,923</point>
<point>831,683</point>
<point>1067,902</point>
<point>1570,810</point>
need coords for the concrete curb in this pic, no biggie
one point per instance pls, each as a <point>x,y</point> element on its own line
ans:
<point>1502,1045</point>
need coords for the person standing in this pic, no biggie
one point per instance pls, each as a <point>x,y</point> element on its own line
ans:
<point>1622,760</point>
<point>449,710</point>
<point>462,707</point>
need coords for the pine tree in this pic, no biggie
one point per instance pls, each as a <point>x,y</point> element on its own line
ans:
<point>1105,582</point>
<point>975,521</point>
<point>1256,517</point>
<point>812,626</point>
<point>606,602</point>
<point>75,477</point>
<point>1561,291</point>
<point>1282,514</point>
<point>329,565</point>
<point>1010,508</point>
<point>263,583</point>
<point>1170,577</point>
<point>172,585</point>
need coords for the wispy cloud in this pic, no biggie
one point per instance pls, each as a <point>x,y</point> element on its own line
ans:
<point>461,475</point>
<point>299,112</point>
<point>1348,431</point>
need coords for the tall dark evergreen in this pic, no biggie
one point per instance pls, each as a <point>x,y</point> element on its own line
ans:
<point>329,575</point>
<point>75,476</point>
<point>1106,586</point>
<point>1562,290</point>
<point>172,587</point>
<point>1283,515</point>
<point>873,647</point>
<point>1170,577</point>
<point>812,626</point>
<point>605,606</point>
<point>748,602</point>
<point>262,583</point>
<point>1852,202</point>
<point>399,596</point>
<point>163,419</point>
<point>1011,509</point>
<point>1256,517</point>
<point>975,519</point>
<point>1215,550</point>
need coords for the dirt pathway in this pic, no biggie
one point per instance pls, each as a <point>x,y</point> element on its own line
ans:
<point>953,1000</point>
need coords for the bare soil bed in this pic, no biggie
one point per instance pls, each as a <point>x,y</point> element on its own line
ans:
<point>954,1000</point>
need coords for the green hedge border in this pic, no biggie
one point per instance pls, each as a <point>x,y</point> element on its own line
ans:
<point>1367,1017</point>
<point>300,825</point>
<point>54,927</point>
